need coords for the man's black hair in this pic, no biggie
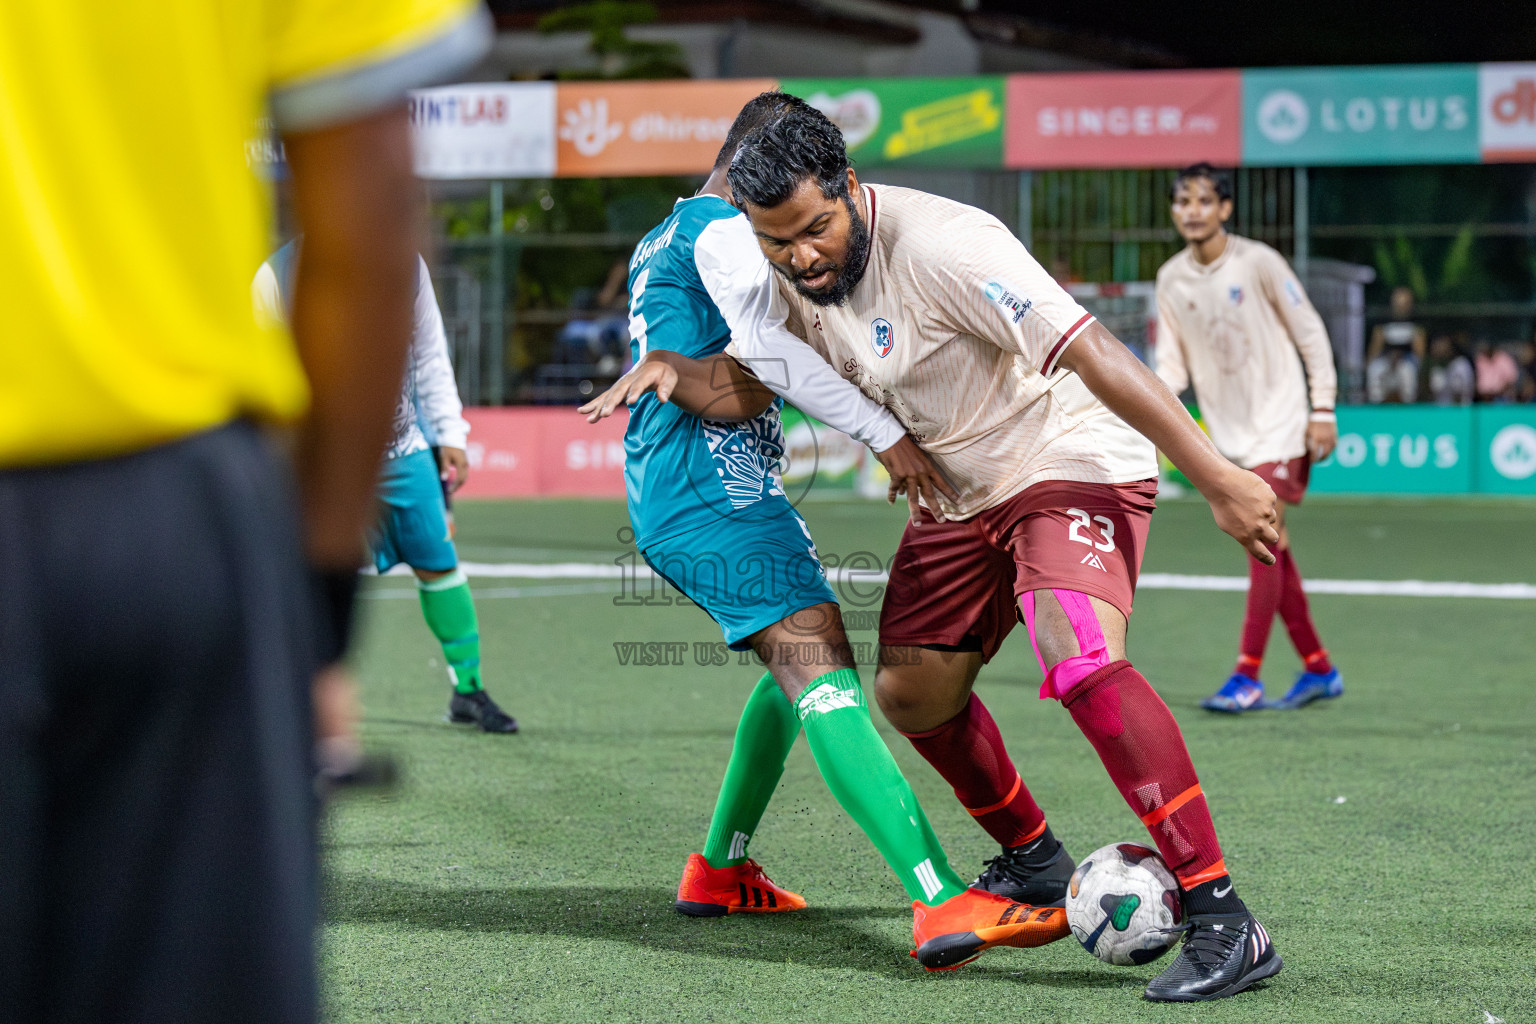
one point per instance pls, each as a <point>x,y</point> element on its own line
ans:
<point>776,157</point>
<point>760,110</point>
<point>1218,179</point>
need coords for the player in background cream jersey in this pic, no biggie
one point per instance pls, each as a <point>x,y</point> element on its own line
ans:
<point>1044,423</point>
<point>1232,320</point>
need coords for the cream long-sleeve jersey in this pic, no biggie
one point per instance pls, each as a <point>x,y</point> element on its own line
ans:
<point>1234,329</point>
<point>957,331</point>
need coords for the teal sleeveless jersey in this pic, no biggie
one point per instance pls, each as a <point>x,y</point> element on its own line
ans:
<point>682,472</point>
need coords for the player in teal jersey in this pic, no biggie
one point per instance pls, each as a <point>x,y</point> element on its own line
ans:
<point>711,517</point>
<point>425,461</point>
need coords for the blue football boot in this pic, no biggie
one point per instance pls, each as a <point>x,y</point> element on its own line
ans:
<point>1237,695</point>
<point>1311,686</point>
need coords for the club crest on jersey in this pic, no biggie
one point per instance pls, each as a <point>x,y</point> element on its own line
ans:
<point>1014,306</point>
<point>881,339</point>
<point>1235,293</point>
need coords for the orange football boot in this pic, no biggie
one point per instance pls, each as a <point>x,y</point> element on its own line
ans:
<point>743,889</point>
<point>957,931</point>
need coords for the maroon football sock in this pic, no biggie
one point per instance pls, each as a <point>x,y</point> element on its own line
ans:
<point>1140,744</point>
<point>968,751</point>
<point>1297,616</point>
<point>1264,583</point>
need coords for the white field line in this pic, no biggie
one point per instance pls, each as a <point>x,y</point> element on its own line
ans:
<point>1148,581</point>
<point>556,590</point>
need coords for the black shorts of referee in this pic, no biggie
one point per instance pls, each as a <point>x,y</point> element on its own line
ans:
<point>157,817</point>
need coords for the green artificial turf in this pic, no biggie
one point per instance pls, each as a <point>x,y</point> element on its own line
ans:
<point>1382,838</point>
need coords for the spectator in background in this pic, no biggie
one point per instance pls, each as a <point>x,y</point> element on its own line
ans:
<point>1451,377</point>
<point>1395,354</point>
<point>1525,358</point>
<point>600,338</point>
<point>1498,374</point>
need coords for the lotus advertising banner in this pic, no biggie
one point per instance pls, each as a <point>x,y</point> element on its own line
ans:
<point>1416,114</point>
<point>1506,441</point>
<point>1403,449</point>
<point>945,122</point>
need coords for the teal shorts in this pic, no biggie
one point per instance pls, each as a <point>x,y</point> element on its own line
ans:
<point>413,520</point>
<point>746,575</point>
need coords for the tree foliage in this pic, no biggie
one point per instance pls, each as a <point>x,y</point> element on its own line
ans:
<point>618,55</point>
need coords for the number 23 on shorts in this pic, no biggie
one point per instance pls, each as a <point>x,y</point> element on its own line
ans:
<point>1082,521</point>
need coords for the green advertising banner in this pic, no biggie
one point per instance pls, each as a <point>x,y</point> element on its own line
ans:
<point>1402,449</point>
<point>1421,114</point>
<point>946,122</point>
<point>816,455</point>
<point>1506,442</point>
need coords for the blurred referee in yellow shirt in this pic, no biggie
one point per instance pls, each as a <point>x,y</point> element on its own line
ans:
<point>159,560</point>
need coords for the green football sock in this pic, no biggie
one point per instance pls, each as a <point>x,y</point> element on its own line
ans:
<point>763,738</point>
<point>449,609</point>
<point>862,775</point>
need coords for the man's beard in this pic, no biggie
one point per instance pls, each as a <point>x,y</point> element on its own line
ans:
<point>847,273</point>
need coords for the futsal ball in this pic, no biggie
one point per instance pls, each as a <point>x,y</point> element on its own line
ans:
<point>1123,905</point>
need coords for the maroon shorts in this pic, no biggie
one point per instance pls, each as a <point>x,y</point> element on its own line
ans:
<point>1287,479</point>
<point>959,583</point>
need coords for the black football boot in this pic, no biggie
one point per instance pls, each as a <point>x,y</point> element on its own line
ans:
<point>1026,874</point>
<point>1222,955</point>
<point>478,708</point>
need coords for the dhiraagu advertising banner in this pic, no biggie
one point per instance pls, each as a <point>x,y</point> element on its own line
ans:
<point>928,121</point>
<point>1400,449</point>
<point>1422,114</point>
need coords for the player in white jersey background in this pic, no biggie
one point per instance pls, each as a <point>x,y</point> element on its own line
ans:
<point>425,462</point>
<point>1234,322</point>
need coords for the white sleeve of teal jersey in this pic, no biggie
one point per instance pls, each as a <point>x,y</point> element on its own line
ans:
<point>437,394</point>
<point>739,280</point>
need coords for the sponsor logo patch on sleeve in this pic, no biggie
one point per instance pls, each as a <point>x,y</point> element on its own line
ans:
<point>1293,291</point>
<point>1013,304</point>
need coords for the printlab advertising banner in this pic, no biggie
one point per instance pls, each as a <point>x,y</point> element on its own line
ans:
<point>1418,114</point>
<point>484,131</point>
<point>943,122</point>
<point>1124,119</point>
<point>623,129</point>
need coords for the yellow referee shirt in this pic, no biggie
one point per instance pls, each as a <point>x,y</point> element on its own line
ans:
<point>129,220</point>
